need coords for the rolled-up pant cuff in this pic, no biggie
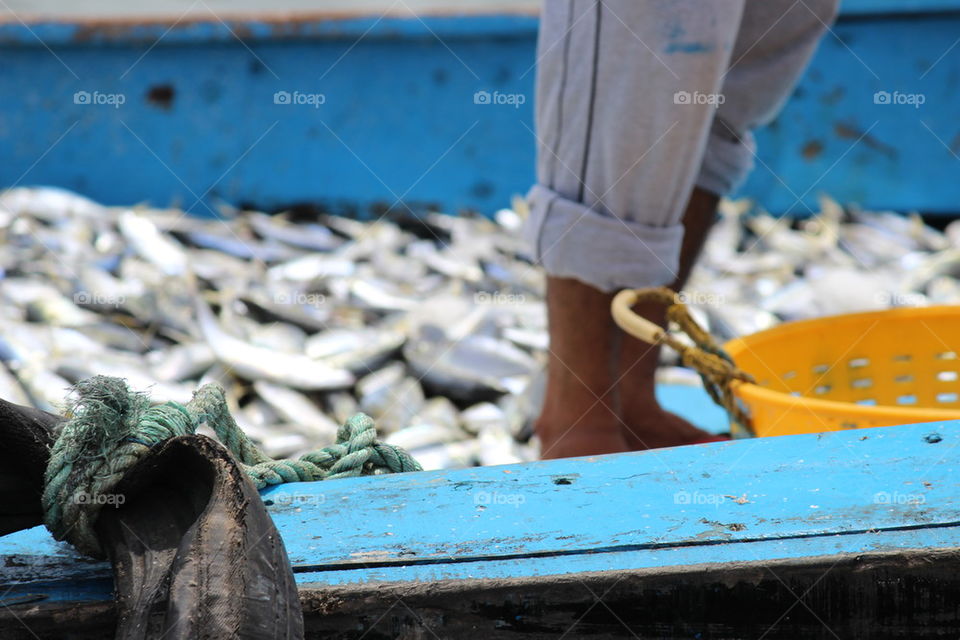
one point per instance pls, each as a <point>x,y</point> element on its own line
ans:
<point>570,240</point>
<point>726,163</point>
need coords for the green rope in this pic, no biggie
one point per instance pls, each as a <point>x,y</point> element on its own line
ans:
<point>112,428</point>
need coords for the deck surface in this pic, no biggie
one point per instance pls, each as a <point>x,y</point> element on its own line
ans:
<point>870,490</point>
<point>752,521</point>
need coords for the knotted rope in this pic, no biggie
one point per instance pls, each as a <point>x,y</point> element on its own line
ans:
<point>112,428</point>
<point>705,356</point>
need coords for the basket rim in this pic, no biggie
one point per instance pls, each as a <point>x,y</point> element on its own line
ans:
<point>742,343</point>
<point>754,393</point>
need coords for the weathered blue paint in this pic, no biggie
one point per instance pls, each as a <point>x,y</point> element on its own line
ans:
<point>867,491</point>
<point>888,7</point>
<point>837,136</point>
<point>331,26</point>
<point>399,123</point>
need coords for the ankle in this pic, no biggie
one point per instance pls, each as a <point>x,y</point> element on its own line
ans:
<point>593,433</point>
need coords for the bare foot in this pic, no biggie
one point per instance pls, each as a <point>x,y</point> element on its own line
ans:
<point>578,417</point>
<point>647,425</point>
<point>654,428</point>
<point>597,432</point>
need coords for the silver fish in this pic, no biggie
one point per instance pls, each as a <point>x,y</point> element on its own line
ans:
<point>469,366</point>
<point>305,236</point>
<point>425,312</point>
<point>259,363</point>
<point>44,303</point>
<point>154,247</point>
<point>299,411</point>
<point>181,362</point>
<point>390,397</point>
<point>357,350</point>
<point>10,388</point>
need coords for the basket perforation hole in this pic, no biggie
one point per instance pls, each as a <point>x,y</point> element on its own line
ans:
<point>862,383</point>
<point>821,368</point>
<point>947,398</point>
<point>822,389</point>
<point>868,402</point>
<point>903,357</point>
<point>947,376</point>
<point>789,375</point>
<point>795,394</point>
<point>859,363</point>
<point>946,355</point>
<point>907,399</point>
<point>904,379</point>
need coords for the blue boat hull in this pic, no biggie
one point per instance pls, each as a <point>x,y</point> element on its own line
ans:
<point>857,532</point>
<point>398,128</point>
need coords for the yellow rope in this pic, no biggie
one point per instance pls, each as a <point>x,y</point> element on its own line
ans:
<point>705,356</point>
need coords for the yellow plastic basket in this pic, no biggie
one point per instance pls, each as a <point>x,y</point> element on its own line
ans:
<point>852,371</point>
<point>899,366</point>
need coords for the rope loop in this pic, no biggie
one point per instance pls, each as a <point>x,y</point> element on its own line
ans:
<point>110,429</point>
<point>705,356</point>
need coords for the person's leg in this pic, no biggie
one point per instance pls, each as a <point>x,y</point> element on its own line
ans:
<point>644,423</point>
<point>622,123</point>
<point>774,45</point>
<point>579,416</point>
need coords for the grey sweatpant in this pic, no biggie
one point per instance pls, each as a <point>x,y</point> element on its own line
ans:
<point>638,101</point>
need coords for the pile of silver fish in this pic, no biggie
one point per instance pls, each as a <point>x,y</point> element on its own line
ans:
<point>434,326</point>
<point>758,270</point>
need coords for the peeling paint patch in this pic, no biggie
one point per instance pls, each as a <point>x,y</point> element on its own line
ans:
<point>689,47</point>
<point>811,150</point>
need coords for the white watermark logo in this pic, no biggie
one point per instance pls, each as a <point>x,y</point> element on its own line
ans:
<point>98,299</point>
<point>695,497</point>
<point>886,497</point>
<point>300,298</point>
<point>701,298</point>
<point>102,499</point>
<point>896,97</point>
<point>486,498</point>
<point>893,299</point>
<point>299,98</point>
<point>511,99</point>
<point>697,97</point>
<point>283,499</point>
<point>96,98</point>
<point>498,297</point>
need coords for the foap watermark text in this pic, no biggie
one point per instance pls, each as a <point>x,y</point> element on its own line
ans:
<point>497,98</point>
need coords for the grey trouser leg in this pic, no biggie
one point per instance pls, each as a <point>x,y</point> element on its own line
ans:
<point>638,101</point>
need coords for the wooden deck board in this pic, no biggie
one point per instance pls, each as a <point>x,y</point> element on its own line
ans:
<point>878,503</point>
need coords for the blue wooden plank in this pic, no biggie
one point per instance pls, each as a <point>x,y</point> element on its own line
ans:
<point>893,7</point>
<point>410,130</point>
<point>95,587</point>
<point>768,551</point>
<point>870,490</point>
<point>872,122</point>
<point>653,499</point>
<point>453,24</point>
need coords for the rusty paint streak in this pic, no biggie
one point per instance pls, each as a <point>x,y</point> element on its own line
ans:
<point>849,132</point>
<point>280,23</point>
<point>812,149</point>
